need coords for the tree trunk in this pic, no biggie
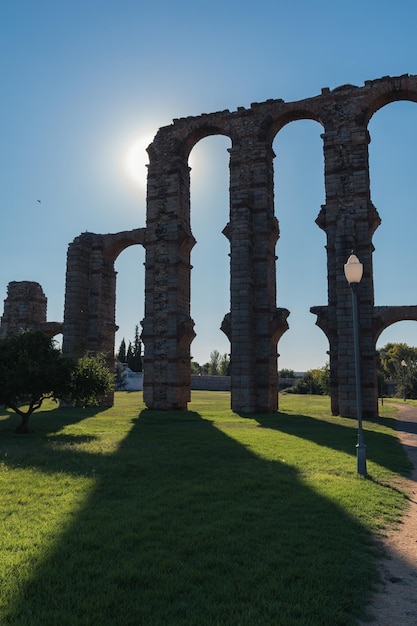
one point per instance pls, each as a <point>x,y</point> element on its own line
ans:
<point>23,427</point>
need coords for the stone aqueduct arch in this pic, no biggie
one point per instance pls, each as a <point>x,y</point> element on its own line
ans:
<point>254,324</point>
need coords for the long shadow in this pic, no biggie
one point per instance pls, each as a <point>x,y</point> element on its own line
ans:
<point>186,526</point>
<point>342,437</point>
<point>40,421</point>
<point>397,423</point>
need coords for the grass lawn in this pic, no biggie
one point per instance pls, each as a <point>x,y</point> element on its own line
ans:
<point>134,517</point>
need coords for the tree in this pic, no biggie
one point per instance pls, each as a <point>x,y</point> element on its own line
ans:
<point>91,381</point>
<point>32,369</point>
<point>398,363</point>
<point>219,365</point>
<point>224,365</point>
<point>121,355</point>
<point>195,368</point>
<point>286,373</point>
<point>314,381</point>
<point>214,362</point>
<point>133,357</point>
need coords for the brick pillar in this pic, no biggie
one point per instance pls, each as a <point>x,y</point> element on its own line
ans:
<point>24,308</point>
<point>242,315</point>
<point>90,300</point>
<point>254,324</point>
<point>349,220</point>
<point>76,310</point>
<point>270,322</point>
<point>167,327</point>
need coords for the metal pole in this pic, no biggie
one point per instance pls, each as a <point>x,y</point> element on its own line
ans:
<point>360,446</point>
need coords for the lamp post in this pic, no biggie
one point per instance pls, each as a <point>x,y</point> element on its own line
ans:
<point>353,273</point>
<point>381,375</point>
<point>404,365</point>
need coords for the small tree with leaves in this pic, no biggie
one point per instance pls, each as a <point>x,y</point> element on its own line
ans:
<point>399,364</point>
<point>224,365</point>
<point>314,381</point>
<point>214,362</point>
<point>33,369</point>
<point>91,381</point>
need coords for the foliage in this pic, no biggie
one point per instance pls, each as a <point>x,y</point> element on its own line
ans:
<point>224,365</point>
<point>33,369</point>
<point>219,364</point>
<point>91,381</point>
<point>398,363</point>
<point>286,379</point>
<point>286,373</point>
<point>214,362</point>
<point>315,381</point>
<point>131,516</point>
<point>134,352</point>
<point>121,355</point>
<point>195,368</point>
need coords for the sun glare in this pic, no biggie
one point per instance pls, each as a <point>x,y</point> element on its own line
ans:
<point>136,158</point>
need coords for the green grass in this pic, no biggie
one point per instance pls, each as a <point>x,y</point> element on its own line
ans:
<point>128,516</point>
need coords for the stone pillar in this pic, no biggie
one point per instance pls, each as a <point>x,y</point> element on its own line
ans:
<point>76,310</point>
<point>349,220</point>
<point>242,314</point>
<point>324,321</point>
<point>270,322</point>
<point>90,300</point>
<point>255,324</point>
<point>24,308</point>
<point>167,327</point>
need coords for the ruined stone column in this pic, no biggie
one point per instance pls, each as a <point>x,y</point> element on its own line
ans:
<point>90,299</point>
<point>349,220</point>
<point>24,308</point>
<point>76,311</point>
<point>242,314</point>
<point>255,324</point>
<point>167,327</point>
<point>270,322</point>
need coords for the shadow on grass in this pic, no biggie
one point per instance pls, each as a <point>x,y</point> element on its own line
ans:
<point>186,526</point>
<point>380,446</point>
<point>41,422</point>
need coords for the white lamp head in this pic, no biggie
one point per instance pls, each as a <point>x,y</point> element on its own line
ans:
<point>353,269</point>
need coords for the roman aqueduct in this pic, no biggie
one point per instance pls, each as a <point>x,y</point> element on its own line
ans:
<point>254,324</point>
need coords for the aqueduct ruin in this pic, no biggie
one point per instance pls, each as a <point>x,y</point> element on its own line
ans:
<point>254,324</point>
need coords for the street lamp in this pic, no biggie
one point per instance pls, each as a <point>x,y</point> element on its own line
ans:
<point>404,365</point>
<point>353,273</point>
<point>381,375</point>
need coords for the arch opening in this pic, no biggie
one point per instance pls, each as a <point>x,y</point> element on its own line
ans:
<point>210,275</point>
<point>130,293</point>
<point>301,264</point>
<point>392,155</point>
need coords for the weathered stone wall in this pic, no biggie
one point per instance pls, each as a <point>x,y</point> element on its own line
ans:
<point>210,383</point>
<point>90,293</point>
<point>254,324</point>
<point>25,309</point>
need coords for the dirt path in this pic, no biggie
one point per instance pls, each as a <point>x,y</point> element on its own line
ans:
<point>396,602</point>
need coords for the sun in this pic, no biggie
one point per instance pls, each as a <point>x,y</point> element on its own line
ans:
<point>136,158</point>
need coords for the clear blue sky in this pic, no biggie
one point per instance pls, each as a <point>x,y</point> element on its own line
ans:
<point>84,83</point>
